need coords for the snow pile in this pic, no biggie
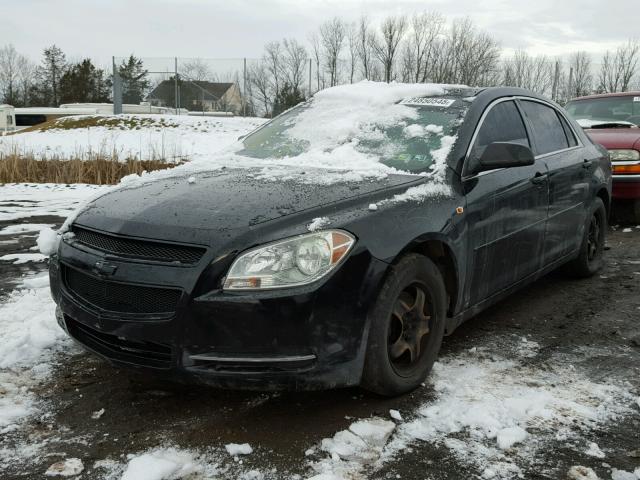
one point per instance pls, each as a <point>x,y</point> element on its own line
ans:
<point>161,464</point>
<point>69,467</point>
<point>623,475</point>
<point>235,449</point>
<point>578,472</point>
<point>30,338</point>
<point>361,444</point>
<point>419,193</point>
<point>594,450</point>
<point>143,137</point>
<point>318,223</point>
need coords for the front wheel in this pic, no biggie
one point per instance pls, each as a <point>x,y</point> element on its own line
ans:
<point>407,325</point>
<point>590,259</point>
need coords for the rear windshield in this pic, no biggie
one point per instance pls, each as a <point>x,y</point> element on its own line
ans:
<point>411,144</point>
<point>606,109</point>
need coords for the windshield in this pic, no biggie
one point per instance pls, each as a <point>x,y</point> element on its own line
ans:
<point>620,109</point>
<point>410,136</point>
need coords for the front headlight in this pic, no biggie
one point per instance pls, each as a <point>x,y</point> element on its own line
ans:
<point>291,262</point>
<point>624,155</point>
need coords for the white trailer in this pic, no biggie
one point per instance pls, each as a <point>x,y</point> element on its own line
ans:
<point>7,118</point>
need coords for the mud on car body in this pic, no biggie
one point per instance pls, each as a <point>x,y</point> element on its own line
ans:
<point>245,282</point>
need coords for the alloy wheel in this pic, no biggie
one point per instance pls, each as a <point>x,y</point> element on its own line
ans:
<point>410,325</point>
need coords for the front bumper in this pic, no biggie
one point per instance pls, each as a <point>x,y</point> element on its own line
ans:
<point>305,338</point>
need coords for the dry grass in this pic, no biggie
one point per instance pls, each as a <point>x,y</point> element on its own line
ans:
<point>101,170</point>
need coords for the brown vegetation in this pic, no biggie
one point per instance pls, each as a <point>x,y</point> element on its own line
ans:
<point>98,170</point>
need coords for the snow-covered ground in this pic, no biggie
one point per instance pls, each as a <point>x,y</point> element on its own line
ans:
<point>145,137</point>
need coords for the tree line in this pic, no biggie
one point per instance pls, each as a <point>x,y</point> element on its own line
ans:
<point>425,47</point>
<point>422,47</point>
<point>55,81</point>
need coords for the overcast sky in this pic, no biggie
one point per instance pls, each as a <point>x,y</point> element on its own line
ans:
<point>239,28</point>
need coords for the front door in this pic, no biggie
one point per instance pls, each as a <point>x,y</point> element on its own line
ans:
<point>506,211</point>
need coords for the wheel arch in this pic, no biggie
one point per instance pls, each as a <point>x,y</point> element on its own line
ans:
<point>603,194</point>
<point>440,252</point>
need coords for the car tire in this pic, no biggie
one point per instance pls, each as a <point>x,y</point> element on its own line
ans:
<point>407,324</point>
<point>590,259</point>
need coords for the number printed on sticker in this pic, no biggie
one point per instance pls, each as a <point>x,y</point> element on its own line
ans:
<point>428,101</point>
<point>636,99</point>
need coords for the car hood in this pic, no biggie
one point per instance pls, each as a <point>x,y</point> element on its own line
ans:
<point>611,138</point>
<point>202,208</point>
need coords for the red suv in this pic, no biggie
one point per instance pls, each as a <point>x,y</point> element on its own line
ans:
<point>613,120</point>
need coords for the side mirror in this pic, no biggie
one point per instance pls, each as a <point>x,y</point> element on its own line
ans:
<point>504,155</point>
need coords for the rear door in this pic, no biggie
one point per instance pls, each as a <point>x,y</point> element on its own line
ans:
<point>569,173</point>
<point>506,209</point>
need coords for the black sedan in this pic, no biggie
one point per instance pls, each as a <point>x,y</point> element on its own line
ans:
<point>338,243</point>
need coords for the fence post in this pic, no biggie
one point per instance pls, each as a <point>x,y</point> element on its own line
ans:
<point>556,78</point>
<point>176,95</point>
<point>117,89</point>
<point>244,87</point>
<point>570,84</point>
<point>310,77</point>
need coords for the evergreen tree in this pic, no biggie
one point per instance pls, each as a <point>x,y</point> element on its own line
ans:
<point>287,97</point>
<point>46,91</point>
<point>83,82</point>
<point>134,80</point>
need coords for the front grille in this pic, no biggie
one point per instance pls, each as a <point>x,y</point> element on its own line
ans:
<point>149,354</point>
<point>143,249</point>
<point>118,297</point>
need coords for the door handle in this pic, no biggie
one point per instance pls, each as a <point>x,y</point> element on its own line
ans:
<point>539,178</point>
<point>587,164</point>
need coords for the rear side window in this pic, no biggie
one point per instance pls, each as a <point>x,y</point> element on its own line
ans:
<point>548,133</point>
<point>503,123</point>
<point>571,138</point>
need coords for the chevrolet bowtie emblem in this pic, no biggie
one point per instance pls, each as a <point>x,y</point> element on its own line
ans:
<point>104,268</point>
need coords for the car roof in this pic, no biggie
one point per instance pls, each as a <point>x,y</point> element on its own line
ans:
<point>605,95</point>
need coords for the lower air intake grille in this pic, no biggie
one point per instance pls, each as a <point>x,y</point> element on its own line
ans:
<point>147,354</point>
<point>143,249</point>
<point>118,297</point>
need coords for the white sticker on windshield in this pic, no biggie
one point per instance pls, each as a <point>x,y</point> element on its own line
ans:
<point>636,99</point>
<point>428,101</point>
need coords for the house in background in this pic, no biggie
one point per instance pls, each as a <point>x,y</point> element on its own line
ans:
<point>198,96</point>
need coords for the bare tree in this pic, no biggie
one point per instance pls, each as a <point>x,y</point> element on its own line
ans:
<point>332,37</point>
<point>385,48</point>
<point>26,78</point>
<point>316,51</point>
<point>365,41</point>
<point>294,63</point>
<point>617,70</point>
<point>352,45</point>
<point>525,71</point>
<point>582,80</point>
<point>274,62</point>
<point>9,72</point>
<point>425,27</point>
<point>197,70</point>
<point>261,87</point>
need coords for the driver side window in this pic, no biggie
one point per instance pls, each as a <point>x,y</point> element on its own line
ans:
<point>503,123</point>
